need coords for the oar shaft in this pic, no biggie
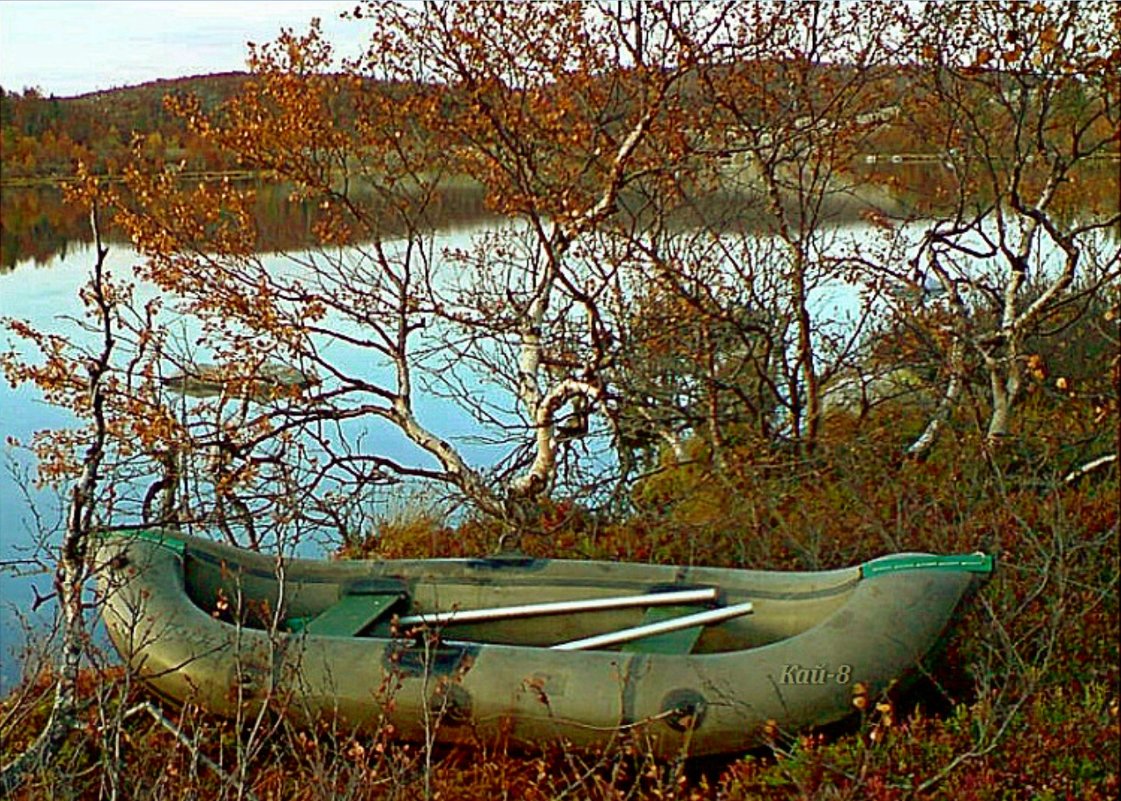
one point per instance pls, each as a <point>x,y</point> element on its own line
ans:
<point>559,607</point>
<point>650,629</point>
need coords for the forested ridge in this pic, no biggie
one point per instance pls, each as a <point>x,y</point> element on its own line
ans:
<point>45,136</point>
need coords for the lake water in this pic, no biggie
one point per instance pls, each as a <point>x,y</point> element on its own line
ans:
<point>43,291</point>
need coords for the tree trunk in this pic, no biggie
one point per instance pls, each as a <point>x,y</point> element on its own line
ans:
<point>72,568</point>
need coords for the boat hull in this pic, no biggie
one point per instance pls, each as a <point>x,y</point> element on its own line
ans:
<point>796,662</point>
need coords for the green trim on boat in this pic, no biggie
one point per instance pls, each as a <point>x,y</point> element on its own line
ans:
<point>156,536</point>
<point>962,563</point>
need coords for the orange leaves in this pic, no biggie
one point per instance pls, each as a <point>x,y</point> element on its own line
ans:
<point>155,428</point>
<point>525,106</point>
<point>332,227</point>
<point>165,219</point>
<point>1037,368</point>
<point>1048,40</point>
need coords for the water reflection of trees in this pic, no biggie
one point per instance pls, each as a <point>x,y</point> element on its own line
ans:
<point>927,189</point>
<point>37,225</point>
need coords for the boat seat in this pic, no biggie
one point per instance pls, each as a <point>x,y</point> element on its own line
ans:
<point>681,641</point>
<point>359,607</point>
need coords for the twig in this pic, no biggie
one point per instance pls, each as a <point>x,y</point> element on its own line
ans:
<point>1089,467</point>
<point>177,733</point>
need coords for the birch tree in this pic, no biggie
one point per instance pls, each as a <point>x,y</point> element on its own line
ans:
<point>554,110</point>
<point>1022,102</point>
<point>91,376</point>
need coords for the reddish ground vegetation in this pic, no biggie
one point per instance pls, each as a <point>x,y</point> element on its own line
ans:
<point>1022,702</point>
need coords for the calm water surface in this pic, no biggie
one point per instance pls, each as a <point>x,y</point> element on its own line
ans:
<point>43,291</point>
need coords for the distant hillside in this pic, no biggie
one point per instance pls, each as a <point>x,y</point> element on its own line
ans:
<point>46,136</point>
<point>213,88</point>
<point>140,107</point>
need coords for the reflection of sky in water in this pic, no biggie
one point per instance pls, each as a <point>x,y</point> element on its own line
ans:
<point>39,295</point>
<point>44,295</point>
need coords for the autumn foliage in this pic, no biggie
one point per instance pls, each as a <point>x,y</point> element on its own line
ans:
<point>642,341</point>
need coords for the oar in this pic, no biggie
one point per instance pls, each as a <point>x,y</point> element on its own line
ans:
<point>559,607</point>
<point>650,629</point>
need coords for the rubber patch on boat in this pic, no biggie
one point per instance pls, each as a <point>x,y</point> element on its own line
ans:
<point>508,563</point>
<point>409,660</point>
<point>684,709</point>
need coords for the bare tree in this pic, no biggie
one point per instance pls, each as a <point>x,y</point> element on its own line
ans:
<point>1023,103</point>
<point>793,93</point>
<point>553,110</point>
<point>73,568</point>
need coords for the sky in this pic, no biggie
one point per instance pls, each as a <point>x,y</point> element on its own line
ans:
<point>71,47</point>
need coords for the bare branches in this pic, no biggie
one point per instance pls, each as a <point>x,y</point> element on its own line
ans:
<point>696,158</point>
<point>1020,138</point>
<point>73,568</point>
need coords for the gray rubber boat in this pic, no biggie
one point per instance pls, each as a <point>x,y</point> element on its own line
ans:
<point>690,660</point>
